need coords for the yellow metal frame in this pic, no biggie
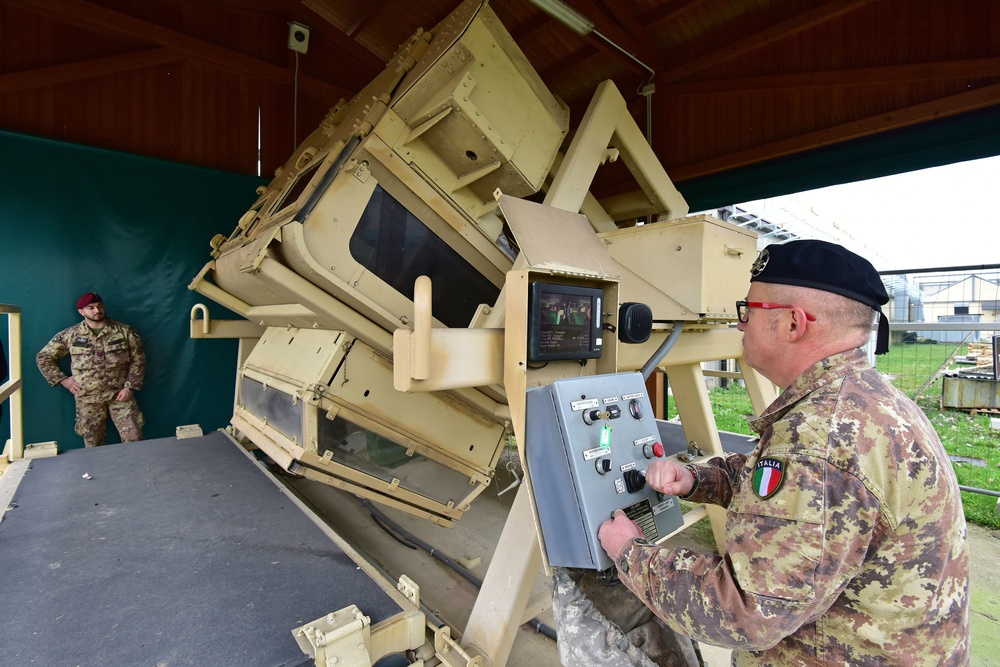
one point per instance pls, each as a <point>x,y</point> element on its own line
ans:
<point>14,447</point>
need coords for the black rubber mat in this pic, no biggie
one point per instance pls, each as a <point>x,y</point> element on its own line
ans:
<point>174,552</point>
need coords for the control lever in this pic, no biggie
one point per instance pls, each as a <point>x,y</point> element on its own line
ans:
<point>635,481</point>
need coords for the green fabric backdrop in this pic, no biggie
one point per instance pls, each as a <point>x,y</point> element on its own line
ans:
<point>135,230</point>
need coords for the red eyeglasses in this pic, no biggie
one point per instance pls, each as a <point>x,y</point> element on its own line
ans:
<point>743,309</point>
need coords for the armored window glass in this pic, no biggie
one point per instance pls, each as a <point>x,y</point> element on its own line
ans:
<point>398,248</point>
<point>293,191</point>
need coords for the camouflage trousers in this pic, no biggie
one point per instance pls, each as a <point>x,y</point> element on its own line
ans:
<point>92,418</point>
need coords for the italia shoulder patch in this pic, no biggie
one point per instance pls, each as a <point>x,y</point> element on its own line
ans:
<point>768,475</point>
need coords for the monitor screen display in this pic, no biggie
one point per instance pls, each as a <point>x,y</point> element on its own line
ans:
<point>564,322</point>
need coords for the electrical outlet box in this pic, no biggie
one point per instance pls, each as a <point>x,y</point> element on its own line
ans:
<point>298,37</point>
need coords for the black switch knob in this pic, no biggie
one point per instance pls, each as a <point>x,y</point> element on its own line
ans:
<point>635,408</point>
<point>591,416</point>
<point>635,481</point>
<point>604,466</point>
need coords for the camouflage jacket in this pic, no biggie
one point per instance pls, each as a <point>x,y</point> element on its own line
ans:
<point>101,361</point>
<point>845,537</point>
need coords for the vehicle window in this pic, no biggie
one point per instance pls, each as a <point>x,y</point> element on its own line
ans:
<point>397,247</point>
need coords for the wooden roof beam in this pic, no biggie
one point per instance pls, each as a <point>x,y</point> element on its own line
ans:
<point>796,24</point>
<point>41,77</point>
<point>345,36</point>
<point>862,76</point>
<point>952,105</point>
<point>668,12</point>
<point>101,19</point>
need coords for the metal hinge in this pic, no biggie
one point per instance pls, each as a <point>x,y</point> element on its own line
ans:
<point>340,639</point>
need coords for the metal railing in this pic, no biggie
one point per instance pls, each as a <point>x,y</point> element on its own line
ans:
<point>11,389</point>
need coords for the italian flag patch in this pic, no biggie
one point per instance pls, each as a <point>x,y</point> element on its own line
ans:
<point>768,474</point>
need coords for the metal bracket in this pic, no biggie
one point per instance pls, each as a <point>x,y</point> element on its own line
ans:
<point>341,638</point>
<point>409,589</point>
<point>448,651</point>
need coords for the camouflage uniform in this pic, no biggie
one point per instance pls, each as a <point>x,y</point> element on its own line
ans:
<point>103,361</point>
<point>859,554</point>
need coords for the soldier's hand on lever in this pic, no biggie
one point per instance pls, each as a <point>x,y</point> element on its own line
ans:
<point>669,478</point>
<point>71,384</point>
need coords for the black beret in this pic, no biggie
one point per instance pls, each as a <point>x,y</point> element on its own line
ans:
<point>825,266</point>
<point>87,299</point>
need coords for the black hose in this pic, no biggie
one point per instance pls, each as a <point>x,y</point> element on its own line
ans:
<point>662,351</point>
<point>388,524</point>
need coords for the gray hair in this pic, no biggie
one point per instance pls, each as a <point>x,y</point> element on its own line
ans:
<point>843,318</point>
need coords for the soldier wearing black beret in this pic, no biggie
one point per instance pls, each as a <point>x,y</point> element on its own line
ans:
<point>846,541</point>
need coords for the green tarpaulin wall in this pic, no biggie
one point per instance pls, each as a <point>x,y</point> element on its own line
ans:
<point>135,230</point>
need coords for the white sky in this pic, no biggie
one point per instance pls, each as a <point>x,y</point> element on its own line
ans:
<point>944,216</point>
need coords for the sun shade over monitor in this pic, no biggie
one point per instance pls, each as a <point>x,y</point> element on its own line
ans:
<point>564,322</point>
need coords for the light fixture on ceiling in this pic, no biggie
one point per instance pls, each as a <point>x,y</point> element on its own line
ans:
<point>566,15</point>
<point>580,24</point>
<point>583,26</point>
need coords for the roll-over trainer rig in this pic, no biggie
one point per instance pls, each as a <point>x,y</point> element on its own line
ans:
<point>411,308</point>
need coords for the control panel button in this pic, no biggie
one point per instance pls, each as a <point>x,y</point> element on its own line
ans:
<point>652,450</point>
<point>603,466</point>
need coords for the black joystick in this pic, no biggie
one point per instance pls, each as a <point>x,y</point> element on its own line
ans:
<point>635,481</point>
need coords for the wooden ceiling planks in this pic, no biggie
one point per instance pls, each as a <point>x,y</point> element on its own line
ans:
<point>737,82</point>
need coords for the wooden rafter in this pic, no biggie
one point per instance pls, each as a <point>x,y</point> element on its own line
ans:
<point>862,76</point>
<point>668,12</point>
<point>781,30</point>
<point>14,82</point>
<point>104,20</point>
<point>919,113</point>
<point>346,36</point>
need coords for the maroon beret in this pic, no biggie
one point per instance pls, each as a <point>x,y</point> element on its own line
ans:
<point>87,299</point>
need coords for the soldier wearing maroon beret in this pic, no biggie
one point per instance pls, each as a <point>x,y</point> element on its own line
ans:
<point>845,539</point>
<point>108,365</point>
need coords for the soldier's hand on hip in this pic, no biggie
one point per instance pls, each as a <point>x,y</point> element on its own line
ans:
<point>72,385</point>
<point>124,394</point>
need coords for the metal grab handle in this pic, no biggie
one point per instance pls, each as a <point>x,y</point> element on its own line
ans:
<point>422,328</point>
<point>200,307</point>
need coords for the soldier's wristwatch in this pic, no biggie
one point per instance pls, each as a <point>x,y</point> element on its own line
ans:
<point>128,385</point>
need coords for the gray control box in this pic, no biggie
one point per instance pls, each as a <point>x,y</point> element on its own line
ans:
<point>589,441</point>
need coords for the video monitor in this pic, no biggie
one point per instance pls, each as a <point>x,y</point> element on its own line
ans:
<point>564,322</point>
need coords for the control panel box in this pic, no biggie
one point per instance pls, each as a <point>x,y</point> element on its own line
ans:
<point>588,443</point>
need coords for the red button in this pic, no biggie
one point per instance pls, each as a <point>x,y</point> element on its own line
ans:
<point>658,450</point>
